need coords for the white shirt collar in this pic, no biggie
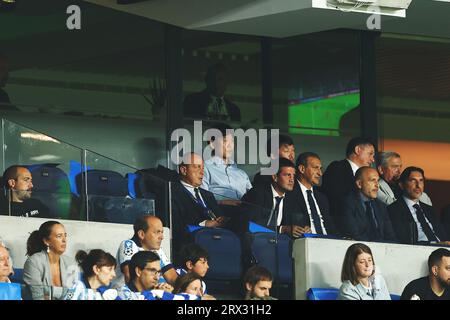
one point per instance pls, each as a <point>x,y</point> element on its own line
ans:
<point>354,166</point>
<point>410,203</point>
<point>303,188</point>
<point>187,185</point>
<point>275,193</point>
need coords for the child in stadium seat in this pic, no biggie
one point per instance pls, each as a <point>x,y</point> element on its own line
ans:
<point>194,259</point>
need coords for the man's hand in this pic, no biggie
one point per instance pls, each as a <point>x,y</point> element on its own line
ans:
<point>217,223</point>
<point>207,297</point>
<point>295,231</point>
<point>164,286</point>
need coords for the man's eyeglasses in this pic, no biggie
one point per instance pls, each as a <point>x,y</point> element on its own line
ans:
<point>153,271</point>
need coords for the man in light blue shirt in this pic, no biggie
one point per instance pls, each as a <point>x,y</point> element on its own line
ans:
<point>222,176</point>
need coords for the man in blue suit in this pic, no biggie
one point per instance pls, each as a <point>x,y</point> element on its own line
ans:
<point>364,217</point>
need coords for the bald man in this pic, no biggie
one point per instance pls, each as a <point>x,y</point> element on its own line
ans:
<point>17,184</point>
<point>364,217</point>
<point>148,236</point>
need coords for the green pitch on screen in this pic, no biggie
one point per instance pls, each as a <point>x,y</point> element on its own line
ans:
<point>321,117</point>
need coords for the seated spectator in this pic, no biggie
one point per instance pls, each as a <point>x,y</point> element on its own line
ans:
<point>286,150</point>
<point>98,272</point>
<point>6,268</point>
<point>17,201</point>
<point>192,205</point>
<point>257,284</point>
<point>273,205</point>
<point>364,217</point>
<point>414,221</point>
<point>222,177</point>
<point>390,167</point>
<point>47,266</point>
<point>436,286</point>
<point>191,283</point>
<point>339,178</point>
<point>145,271</point>
<point>211,103</point>
<point>194,259</point>
<point>359,280</point>
<point>311,206</point>
<point>148,236</point>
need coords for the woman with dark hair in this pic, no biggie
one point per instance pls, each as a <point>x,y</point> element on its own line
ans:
<point>47,271</point>
<point>98,269</point>
<point>359,280</point>
<point>191,283</point>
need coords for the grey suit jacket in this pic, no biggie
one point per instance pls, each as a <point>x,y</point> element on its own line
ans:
<point>386,194</point>
<point>37,275</point>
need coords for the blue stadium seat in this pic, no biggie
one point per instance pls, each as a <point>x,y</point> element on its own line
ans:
<point>103,183</point>
<point>264,250</point>
<point>51,186</point>
<point>224,250</point>
<point>322,294</point>
<point>17,277</point>
<point>107,194</point>
<point>10,291</point>
<point>131,178</point>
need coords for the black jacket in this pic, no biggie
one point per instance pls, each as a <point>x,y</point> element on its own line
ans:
<point>405,226</point>
<point>301,210</point>
<point>337,182</point>
<point>356,224</point>
<point>186,211</point>
<point>258,205</point>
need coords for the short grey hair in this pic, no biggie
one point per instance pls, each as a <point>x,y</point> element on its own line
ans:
<point>383,157</point>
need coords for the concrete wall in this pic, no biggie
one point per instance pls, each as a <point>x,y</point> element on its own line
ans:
<point>318,263</point>
<point>81,235</point>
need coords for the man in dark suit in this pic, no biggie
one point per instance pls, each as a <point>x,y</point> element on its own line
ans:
<point>339,178</point>
<point>211,103</point>
<point>414,221</point>
<point>192,205</point>
<point>269,204</point>
<point>311,206</point>
<point>364,217</point>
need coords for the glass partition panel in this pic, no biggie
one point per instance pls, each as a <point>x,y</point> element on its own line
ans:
<point>118,193</point>
<point>52,164</point>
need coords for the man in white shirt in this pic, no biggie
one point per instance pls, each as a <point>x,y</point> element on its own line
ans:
<point>414,221</point>
<point>148,236</point>
<point>312,206</point>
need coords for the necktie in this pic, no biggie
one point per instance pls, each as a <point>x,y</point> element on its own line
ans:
<point>423,223</point>
<point>199,201</point>
<point>374,223</point>
<point>274,215</point>
<point>314,214</point>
